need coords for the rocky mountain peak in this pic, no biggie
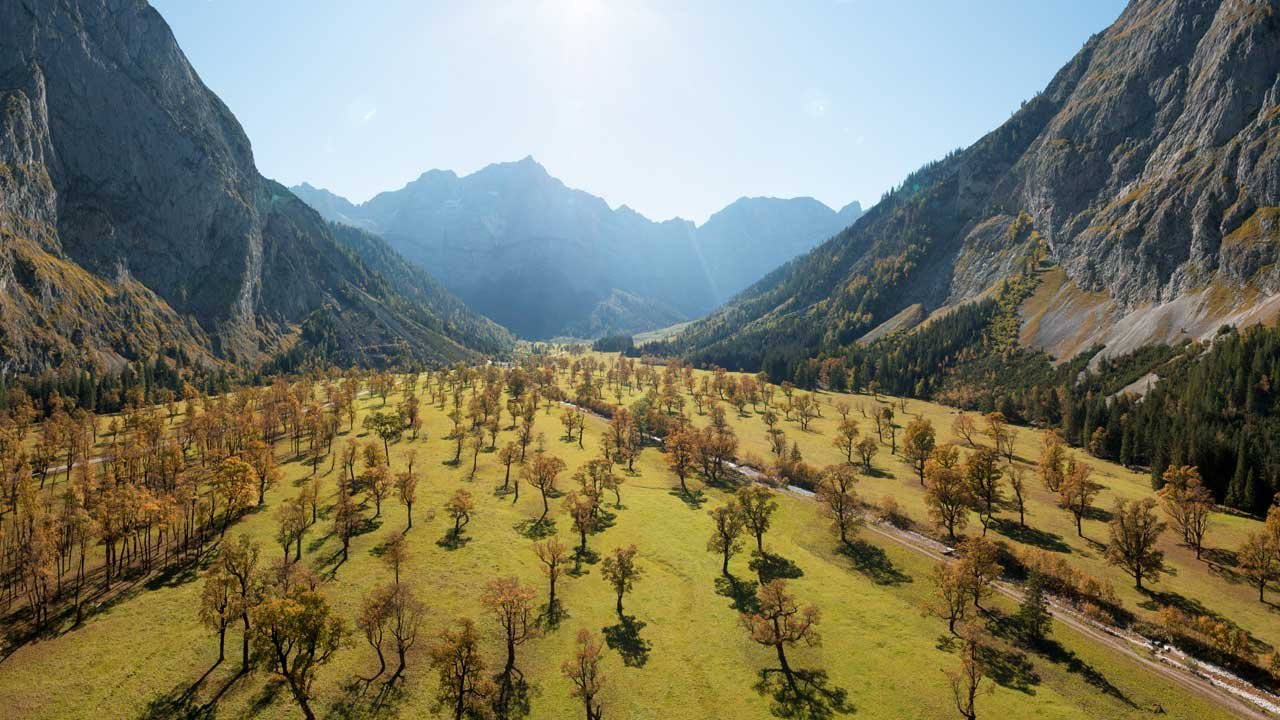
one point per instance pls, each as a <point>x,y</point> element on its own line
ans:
<point>1147,169</point>
<point>118,156</point>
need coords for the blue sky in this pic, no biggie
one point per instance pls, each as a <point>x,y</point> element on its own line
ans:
<point>673,108</point>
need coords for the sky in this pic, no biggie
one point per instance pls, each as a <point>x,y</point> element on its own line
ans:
<point>672,108</point>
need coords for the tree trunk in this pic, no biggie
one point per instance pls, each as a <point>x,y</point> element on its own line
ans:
<point>244,661</point>
<point>301,696</point>
<point>461,705</point>
<point>786,669</point>
<point>400,666</point>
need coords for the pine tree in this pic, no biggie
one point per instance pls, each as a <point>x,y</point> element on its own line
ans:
<point>1236,490</point>
<point>1033,616</point>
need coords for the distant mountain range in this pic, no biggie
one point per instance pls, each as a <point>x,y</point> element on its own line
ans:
<point>1137,199</point>
<point>546,260</point>
<point>134,224</point>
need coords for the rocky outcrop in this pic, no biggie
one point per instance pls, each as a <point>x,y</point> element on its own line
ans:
<point>129,173</point>
<point>545,260</point>
<point>1148,169</point>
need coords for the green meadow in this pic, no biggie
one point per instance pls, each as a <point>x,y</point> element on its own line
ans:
<point>685,654</point>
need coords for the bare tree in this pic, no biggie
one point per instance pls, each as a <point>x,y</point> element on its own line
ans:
<point>584,672</point>
<point>781,623</point>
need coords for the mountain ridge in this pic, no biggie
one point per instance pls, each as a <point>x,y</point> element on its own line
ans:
<point>130,182</point>
<point>1145,171</point>
<point>491,234</point>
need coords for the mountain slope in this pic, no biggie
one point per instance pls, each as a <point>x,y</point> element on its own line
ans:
<point>752,236</point>
<point>1147,171</point>
<point>132,179</point>
<point>545,259</point>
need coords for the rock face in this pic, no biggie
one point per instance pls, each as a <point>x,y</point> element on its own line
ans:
<point>545,260</point>
<point>1148,168</point>
<point>129,177</point>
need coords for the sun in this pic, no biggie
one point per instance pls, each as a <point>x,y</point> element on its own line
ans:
<point>579,14</point>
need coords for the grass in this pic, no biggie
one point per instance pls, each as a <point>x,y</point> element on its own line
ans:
<point>1198,582</point>
<point>660,334</point>
<point>147,656</point>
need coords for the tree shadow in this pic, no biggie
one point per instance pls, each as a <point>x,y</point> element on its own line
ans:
<point>769,567</point>
<point>318,542</point>
<point>175,575</point>
<point>1097,513</point>
<point>604,520</point>
<point>367,526</point>
<point>1220,556</point>
<point>357,702</point>
<point>181,702</point>
<point>695,500</point>
<point>624,638</point>
<point>550,617</point>
<point>1009,668</point>
<point>582,556</point>
<point>517,703</point>
<point>946,642</point>
<point>536,529</point>
<point>1222,563</point>
<point>1054,652</point>
<point>1031,536</point>
<point>873,562</point>
<point>453,539</point>
<point>1181,602</point>
<point>266,697</point>
<point>812,698</point>
<point>741,592</point>
<point>728,481</point>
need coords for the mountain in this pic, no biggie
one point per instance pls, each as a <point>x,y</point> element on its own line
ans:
<point>331,207</point>
<point>752,236</point>
<point>544,259</point>
<point>1135,200</point>
<point>134,223</point>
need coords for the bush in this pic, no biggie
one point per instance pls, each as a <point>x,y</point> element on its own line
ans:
<point>892,513</point>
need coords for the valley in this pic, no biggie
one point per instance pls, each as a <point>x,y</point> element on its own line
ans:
<point>689,657</point>
<point>484,445</point>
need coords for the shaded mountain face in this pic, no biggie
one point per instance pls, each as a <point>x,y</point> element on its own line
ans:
<point>1146,172</point>
<point>135,222</point>
<point>546,260</point>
